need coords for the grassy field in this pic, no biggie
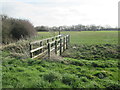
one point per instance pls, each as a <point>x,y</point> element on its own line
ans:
<point>86,37</point>
<point>94,37</point>
<point>90,62</point>
<point>68,73</point>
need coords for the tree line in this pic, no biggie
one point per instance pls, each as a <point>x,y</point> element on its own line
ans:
<point>78,27</point>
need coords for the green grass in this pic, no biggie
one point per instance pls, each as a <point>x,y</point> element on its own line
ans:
<point>93,52</point>
<point>90,62</point>
<point>85,37</point>
<point>69,73</point>
<point>44,35</point>
<point>94,37</point>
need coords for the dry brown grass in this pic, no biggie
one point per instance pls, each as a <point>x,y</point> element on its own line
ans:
<point>53,57</point>
<point>19,49</point>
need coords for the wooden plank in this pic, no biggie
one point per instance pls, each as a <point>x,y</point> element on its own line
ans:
<point>58,45</point>
<point>58,51</point>
<point>40,54</point>
<point>38,41</point>
<point>37,49</point>
<point>43,40</point>
<point>58,39</point>
<point>52,49</point>
<point>52,42</point>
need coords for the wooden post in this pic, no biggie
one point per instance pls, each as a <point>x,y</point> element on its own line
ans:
<point>56,38</point>
<point>67,42</point>
<point>69,39</point>
<point>52,39</point>
<point>30,48</point>
<point>63,44</point>
<point>41,44</point>
<point>59,32</point>
<point>60,46</point>
<point>59,36</point>
<point>55,47</point>
<point>47,40</point>
<point>52,43</point>
<point>49,47</point>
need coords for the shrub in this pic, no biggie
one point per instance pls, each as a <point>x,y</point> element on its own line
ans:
<point>15,29</point>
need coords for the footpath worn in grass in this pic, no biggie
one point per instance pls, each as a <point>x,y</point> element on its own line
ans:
<point>68,73</point>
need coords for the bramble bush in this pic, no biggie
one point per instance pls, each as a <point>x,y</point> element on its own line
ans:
<point>15,29</point>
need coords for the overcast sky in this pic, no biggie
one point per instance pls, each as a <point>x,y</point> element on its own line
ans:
<point>63,12</point>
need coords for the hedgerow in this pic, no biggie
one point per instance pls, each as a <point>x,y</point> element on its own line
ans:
<point>16,29</point>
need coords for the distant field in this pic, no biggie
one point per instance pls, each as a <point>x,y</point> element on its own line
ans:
<point>86,37</point>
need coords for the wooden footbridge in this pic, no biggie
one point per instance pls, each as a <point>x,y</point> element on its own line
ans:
<point>46,47</point>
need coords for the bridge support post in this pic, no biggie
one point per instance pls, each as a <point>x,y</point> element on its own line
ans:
<point>60,46</point>
<point>41,44</point>
<point>30,48</point>
<point>63,44</point>
<point>55,47</point>
<point>67,42</point>
<point>49,47</point>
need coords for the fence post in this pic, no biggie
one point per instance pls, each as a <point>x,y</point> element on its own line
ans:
<point>67,42</point>
<point>41,44</point>
<point>69,39</point>
<point>52,39</point>
<point>55,46</point>
<point>56,38</point>
<point>47,40</point>
<point>30,48</point>
<point>52,43</point>
<point>60,46</point>
<point>63,44</point>
<point>49,46</point>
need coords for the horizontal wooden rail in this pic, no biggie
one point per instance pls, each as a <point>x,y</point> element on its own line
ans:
<point>56,44</point>
<point>37,49</point>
